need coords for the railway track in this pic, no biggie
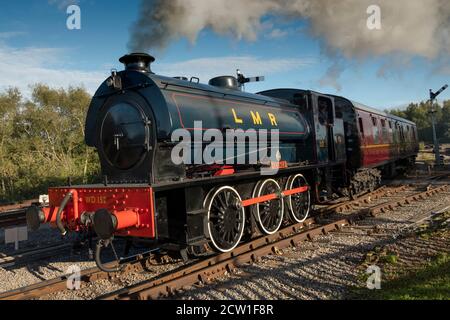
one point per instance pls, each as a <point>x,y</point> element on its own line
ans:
<point>13,218</point>
<point>214,267</point>
<point>441,176</point>
<point>206,270</point>
<point>13,207</point>
<point>46,287</point>
<point>15,214</point>
<point>364,199</point>
<point>391,205</point>
<point>36,254</point>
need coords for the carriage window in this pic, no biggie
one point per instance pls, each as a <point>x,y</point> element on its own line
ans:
<point>391,133</point>
<point>384,130</point>
<point>376,131</point>
<point>397,133</point>
<point>361,127</point>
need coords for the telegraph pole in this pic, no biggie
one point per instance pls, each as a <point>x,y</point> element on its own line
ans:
<point>433,96</point>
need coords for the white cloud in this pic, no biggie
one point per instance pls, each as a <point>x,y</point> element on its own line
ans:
<point>11,34</point>
<point>24,67</point>
<point>207,68</point>
<point>63,4</point>
<point>277,34</point>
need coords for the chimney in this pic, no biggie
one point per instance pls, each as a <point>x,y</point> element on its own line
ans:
<point>137,62</point>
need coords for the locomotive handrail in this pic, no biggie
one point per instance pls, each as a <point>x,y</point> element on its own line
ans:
<point>138,86</point>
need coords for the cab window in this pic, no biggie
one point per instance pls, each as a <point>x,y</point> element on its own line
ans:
<point>325,109</point>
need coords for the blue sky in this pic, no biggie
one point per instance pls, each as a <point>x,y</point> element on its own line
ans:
<point>36,46</point>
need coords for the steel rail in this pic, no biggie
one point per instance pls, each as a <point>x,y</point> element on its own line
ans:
<point>211,268</point>
<point>13,207</point>
<point>391,205</point>
<point>93,274</point>
<point>366,198</point>
<point>57,284</point>
<point>33,255</point>
<point>13,218</point>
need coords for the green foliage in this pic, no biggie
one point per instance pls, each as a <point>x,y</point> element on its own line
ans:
<point>42,141</point>
<point>419,113</point>
<point>431,282</point>
<point>421,146</point>
<point>390,258</point>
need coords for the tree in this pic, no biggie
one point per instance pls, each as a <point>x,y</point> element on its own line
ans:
<point>44,141</point>
<point>9,106</point>
<point>419,113</point>
<point>446,119</point>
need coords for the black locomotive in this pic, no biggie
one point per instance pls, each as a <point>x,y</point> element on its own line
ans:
<point>327,147</point>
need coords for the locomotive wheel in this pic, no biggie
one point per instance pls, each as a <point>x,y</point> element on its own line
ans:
<point>269,215</point>
<point>226,218</point>
<point>299,204</point>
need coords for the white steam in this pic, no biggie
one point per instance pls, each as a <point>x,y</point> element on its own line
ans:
<point>409,28</point>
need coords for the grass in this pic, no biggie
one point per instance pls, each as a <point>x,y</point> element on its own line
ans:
<point>390,258</point>
<point>430,283</point>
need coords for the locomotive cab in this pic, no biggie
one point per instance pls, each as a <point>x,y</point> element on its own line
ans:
<point>327,144</point>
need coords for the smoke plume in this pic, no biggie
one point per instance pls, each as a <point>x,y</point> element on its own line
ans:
<point>409,28</point>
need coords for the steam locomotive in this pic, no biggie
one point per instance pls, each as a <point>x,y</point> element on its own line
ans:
<point>327,146</point>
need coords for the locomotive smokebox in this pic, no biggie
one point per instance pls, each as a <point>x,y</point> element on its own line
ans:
<point>138,62</point>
